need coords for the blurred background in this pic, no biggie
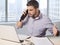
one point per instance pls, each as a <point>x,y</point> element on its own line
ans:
<point>11,10</point>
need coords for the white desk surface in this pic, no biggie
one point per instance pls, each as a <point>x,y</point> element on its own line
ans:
<point>35,40</point>
<point>8,32</point>
<point>55,40</point>
<point>4,42</point>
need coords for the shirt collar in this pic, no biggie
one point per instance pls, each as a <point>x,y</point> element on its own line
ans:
<point>39,17</point>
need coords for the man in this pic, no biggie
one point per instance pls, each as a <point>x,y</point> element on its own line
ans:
<point>37,23</point>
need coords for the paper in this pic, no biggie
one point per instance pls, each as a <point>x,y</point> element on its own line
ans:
<point>40,41</point>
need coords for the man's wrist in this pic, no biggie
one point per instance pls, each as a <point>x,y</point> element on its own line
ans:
<point>21,21</point>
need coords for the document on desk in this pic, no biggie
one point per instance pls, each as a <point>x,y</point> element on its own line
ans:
<point>40,41</point>
<point>8,33</point>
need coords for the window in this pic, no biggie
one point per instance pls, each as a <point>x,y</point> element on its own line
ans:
<point>43,6</point>
<point>54,10</point>
<point>2,10</point>
<point>11,10</point>
<point>15,8</point>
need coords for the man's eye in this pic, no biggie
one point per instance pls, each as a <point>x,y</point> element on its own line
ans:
<point>30,10</point>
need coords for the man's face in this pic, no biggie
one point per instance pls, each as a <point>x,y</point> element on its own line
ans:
<point>31,10</point>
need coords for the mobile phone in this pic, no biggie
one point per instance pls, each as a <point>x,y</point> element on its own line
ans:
<point>24,15</point>
<point>26,12</point>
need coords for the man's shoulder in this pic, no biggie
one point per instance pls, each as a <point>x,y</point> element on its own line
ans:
<point>43,16</point>
<point>46,18</point>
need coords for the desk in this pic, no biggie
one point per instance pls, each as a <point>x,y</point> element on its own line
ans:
<point>37,40</point>
<point>34,40</point>
<point>55,40</point>
<point>10,33</point>
<point>4,42</point>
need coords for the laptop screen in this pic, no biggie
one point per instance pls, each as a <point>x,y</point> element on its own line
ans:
<point>8,33</point>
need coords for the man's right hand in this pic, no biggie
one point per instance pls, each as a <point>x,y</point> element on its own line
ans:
<point>19,24</point>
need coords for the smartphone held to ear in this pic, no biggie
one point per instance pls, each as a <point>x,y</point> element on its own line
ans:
<point>24,15</point>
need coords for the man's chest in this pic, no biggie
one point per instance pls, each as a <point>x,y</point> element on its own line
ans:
<point>36,25</point>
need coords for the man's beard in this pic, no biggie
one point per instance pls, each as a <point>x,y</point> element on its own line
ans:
<point>33,16</point>
<point>36,15</point>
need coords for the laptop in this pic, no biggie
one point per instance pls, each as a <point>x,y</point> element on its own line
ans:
<point>8,33</point>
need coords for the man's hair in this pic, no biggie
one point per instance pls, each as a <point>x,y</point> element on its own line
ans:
<point>33,3</point>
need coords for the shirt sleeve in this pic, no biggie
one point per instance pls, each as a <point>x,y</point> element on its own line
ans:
<point>49,25</point>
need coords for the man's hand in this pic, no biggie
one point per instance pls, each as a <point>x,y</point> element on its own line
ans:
<point>19,24</point>
<point>55,31</point>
